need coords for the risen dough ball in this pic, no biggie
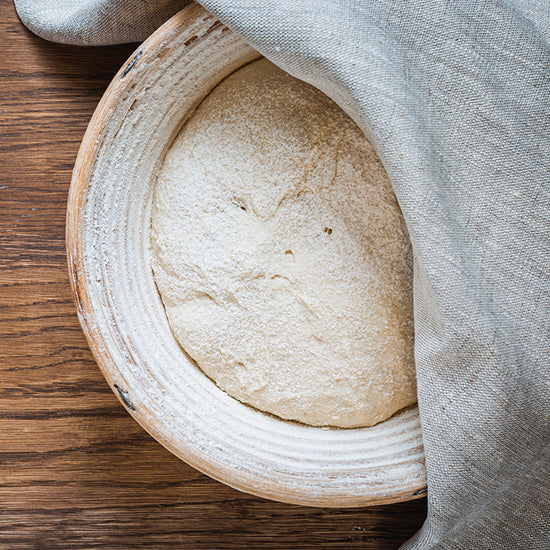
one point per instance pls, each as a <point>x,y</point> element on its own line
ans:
<point>282,257</point>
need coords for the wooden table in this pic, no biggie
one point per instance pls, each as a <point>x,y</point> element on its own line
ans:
<point>75,470</point>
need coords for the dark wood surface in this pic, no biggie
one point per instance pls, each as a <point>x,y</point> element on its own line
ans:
<point>75,470</point>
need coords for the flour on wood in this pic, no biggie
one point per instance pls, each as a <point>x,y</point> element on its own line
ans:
<point>282,257</point>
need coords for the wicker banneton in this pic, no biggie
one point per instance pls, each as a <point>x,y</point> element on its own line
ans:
<point>108,227</point>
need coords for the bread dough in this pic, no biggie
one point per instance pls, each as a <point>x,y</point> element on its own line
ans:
<point>281,255</point>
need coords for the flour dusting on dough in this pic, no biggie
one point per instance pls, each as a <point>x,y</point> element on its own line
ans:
<point>282,257</point>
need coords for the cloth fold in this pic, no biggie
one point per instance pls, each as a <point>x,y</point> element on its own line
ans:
<point>96,22</point>
<point>455,96</point>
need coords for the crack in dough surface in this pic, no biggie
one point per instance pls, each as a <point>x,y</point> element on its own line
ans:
<point>281,255</point>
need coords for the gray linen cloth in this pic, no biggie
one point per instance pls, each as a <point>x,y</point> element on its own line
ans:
<point>455,95</point>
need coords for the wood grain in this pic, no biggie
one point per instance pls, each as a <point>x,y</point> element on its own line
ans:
<point>75,470</point>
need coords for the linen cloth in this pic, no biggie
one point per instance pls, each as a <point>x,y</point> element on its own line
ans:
<point>455,96</point>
